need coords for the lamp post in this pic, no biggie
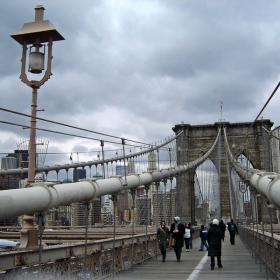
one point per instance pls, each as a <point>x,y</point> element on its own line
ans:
<point>32,36</point>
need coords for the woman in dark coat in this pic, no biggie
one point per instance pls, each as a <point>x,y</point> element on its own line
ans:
<point>177,230</point>
<point>215,235</point>
<point>163,239</point>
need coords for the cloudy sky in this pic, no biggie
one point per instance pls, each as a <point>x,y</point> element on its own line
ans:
<point>134,69</point>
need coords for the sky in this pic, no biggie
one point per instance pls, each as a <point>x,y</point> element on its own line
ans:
<point>134,69</point>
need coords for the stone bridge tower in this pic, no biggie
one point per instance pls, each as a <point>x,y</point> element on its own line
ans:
<point>248,139</point>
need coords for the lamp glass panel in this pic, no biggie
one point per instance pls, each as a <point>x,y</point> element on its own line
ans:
<point>36,62</point>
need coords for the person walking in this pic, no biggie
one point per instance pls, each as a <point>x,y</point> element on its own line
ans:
<point>223,228</point>
<point>214,237</point>
<point>203,237</point>
<point>192,232</point>
<point>163,239</point>
<point>187,237</point>
<point>233,230</point>
<point>177,230</point>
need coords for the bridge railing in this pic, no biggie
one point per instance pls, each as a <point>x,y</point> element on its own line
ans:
<point>68,261</point>
<point>264,246</point>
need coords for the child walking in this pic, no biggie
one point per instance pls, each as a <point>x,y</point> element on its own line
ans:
<point>203,237</point>
<point>187,237</point>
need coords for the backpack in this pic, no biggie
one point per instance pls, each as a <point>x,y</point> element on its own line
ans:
<point>232,227</point>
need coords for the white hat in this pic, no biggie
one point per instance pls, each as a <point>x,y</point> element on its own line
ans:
<point>177,219</point>
<point>215,222</point>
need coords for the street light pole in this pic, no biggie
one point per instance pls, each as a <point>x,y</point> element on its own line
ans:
<point>33,35</point>
<point>32,139</point>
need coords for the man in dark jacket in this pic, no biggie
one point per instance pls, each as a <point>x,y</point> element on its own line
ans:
<point>215,235</point>
<point>233,230</point>
<point>163,239</point>
<point>177,230</point>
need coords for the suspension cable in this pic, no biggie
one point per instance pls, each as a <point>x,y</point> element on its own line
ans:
<point>263,108</point>
<point>71,126</point>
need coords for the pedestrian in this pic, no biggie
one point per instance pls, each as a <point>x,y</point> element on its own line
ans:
<point>192,232</point>
<point>163,239</point>
<point>177,230</point>
<point>223,228</point>
<point>187,237</point>
<point>233,230</point>
<point>203,237</point>
<point>214,237</point>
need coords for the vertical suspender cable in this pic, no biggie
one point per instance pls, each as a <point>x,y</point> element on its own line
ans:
<point>265,249</point>
<point>132,228</point>
<point>103,167</point>
<point>41,231</point>
<point>86,239</point>
<point>256,207</point>
<point>259,245</point>
<point>171,208</point>
<point>85,273</point>
<point>157,218</point>
<point>147,212</point>
<point>114,198</point>
<point>270,211</point>
<point>123,142</point>
<point>165,200</point>
<point>170,218</point>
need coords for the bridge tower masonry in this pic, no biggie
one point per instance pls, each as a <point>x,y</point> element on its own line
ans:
<point>246,138</point>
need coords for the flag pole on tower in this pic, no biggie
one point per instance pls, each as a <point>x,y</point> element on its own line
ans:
<point>222,110</point>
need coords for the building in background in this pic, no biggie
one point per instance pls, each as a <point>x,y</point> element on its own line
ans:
<point>143,206</point>
<point>164,206</point>
<point>79,173</point>
<point>9,163</point>
<point>12,161</point>
<point>121,170</point>
<point>6,183</point>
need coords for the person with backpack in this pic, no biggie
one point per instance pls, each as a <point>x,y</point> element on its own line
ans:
<point>203,238</point>
<point>233,230</point>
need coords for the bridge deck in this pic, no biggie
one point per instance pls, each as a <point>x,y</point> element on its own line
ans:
<point>237,263</point>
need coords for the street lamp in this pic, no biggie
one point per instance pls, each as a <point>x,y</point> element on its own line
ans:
<point>32,36</point>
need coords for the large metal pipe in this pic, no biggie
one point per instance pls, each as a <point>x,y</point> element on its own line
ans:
<point>265,183</point>
<point>41,197</point>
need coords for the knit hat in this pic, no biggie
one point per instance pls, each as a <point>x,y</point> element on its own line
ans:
<point>215,222</point>
<point>177,219</point>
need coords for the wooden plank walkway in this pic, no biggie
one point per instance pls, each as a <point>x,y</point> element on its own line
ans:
<point>237,263</point>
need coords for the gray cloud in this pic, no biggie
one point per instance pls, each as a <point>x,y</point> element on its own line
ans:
<point>136,68</point>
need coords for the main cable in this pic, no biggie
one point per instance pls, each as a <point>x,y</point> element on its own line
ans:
<point>263,108</point>
<point>71,126</point>
<point>63,133</point>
